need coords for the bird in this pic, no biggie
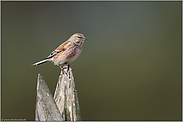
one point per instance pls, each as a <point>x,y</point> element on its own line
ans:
<point>67,52</point>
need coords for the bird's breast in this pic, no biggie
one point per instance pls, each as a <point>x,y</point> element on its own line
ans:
<point>73,52</point>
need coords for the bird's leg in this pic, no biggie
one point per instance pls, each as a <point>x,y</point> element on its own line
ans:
<point>67,66</point>
<point>61,68</point>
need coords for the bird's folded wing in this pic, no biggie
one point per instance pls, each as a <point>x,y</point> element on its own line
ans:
<point>61,48</point>
<point>53,54</point>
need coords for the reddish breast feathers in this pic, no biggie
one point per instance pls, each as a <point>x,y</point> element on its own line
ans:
<point>74,51</point>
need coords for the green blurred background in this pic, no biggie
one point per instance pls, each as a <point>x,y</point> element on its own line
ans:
<point>129,69</point>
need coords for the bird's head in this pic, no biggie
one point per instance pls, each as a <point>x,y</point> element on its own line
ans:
<point>77,39</point>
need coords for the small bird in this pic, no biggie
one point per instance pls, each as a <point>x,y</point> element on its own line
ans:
<point>67,52</point>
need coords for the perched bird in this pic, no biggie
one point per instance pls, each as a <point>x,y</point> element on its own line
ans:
<point>67,52</point>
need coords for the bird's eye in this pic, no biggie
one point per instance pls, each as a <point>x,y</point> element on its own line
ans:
<point>79,37</point>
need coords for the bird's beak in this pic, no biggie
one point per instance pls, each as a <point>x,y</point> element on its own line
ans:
<point>84,38</point>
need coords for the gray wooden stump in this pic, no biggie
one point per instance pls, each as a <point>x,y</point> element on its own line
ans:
<point>65,104</point>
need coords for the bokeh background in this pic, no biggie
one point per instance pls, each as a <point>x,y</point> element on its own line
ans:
<point>129,69</point>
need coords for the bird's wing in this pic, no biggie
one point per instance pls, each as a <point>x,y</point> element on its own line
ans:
<point>61,48</point>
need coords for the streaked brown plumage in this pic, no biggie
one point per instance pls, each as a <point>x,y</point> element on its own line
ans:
<point>67,52</point>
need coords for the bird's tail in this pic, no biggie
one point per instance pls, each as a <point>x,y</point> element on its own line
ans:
<point>40,62</point>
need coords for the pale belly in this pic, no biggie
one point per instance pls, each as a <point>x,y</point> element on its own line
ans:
<point>68,55</point>
<point>74,56</point>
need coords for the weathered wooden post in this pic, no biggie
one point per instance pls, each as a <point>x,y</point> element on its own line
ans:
<point>65,104</point>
